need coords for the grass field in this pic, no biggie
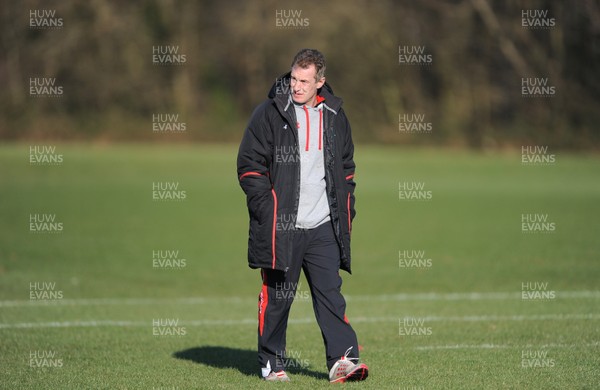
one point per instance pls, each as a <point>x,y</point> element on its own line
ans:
<point>457,321</point>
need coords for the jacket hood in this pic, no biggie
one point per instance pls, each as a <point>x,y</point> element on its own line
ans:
<point>281,90</point>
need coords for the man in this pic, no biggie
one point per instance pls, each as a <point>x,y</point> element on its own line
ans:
<point>295,164</point>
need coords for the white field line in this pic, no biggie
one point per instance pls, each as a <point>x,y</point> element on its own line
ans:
<point>253,321</point>
<point>472,296</point>
<point>504,346</point>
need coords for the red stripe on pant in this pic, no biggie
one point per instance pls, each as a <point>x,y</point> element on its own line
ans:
<point>263,300</point>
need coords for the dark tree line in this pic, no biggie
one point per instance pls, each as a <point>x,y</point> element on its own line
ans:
<point>476,55</point>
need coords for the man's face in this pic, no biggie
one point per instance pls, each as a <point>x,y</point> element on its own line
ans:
<point>304,86</point>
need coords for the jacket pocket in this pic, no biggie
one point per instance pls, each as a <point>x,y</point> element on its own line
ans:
<point>263,216</point>
<point>258,206</point>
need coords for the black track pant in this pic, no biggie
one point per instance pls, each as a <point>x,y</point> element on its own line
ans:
<point>317,252</point>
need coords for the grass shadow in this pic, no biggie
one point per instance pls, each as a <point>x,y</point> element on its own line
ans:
<point>243,360</point>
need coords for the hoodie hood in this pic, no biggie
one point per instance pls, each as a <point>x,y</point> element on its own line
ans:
<point>281,91</point>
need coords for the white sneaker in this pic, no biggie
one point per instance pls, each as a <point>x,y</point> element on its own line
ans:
<point>344,370</point>
<point>280,376</point>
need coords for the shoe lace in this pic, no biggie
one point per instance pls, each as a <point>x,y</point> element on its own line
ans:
<point>345,357</point>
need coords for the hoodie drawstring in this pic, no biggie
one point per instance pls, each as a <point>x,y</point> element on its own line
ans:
<point>320,131</point>
<point>308,128</point>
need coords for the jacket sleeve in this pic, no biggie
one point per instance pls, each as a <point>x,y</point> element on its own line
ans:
<point>349,166</point>
<point>253,162</point>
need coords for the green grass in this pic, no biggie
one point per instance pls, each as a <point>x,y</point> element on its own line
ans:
<point>471,231</point>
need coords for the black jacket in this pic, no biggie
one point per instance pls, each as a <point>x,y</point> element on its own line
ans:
<point>268,167</point>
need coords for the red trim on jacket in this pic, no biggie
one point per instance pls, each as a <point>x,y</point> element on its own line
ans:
<point>274,226</point>
<point>243,175</point>
<point>349,177</point>
<point>349,219</point>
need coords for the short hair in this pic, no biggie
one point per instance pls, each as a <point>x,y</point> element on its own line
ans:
<point>306,57</point>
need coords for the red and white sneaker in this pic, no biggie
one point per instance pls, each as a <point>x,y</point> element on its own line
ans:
<point>280,376</point>
<point>345,371</point>
<point>272,376</point>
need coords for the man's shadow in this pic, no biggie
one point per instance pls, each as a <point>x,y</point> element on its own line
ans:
<point>244,360</point>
